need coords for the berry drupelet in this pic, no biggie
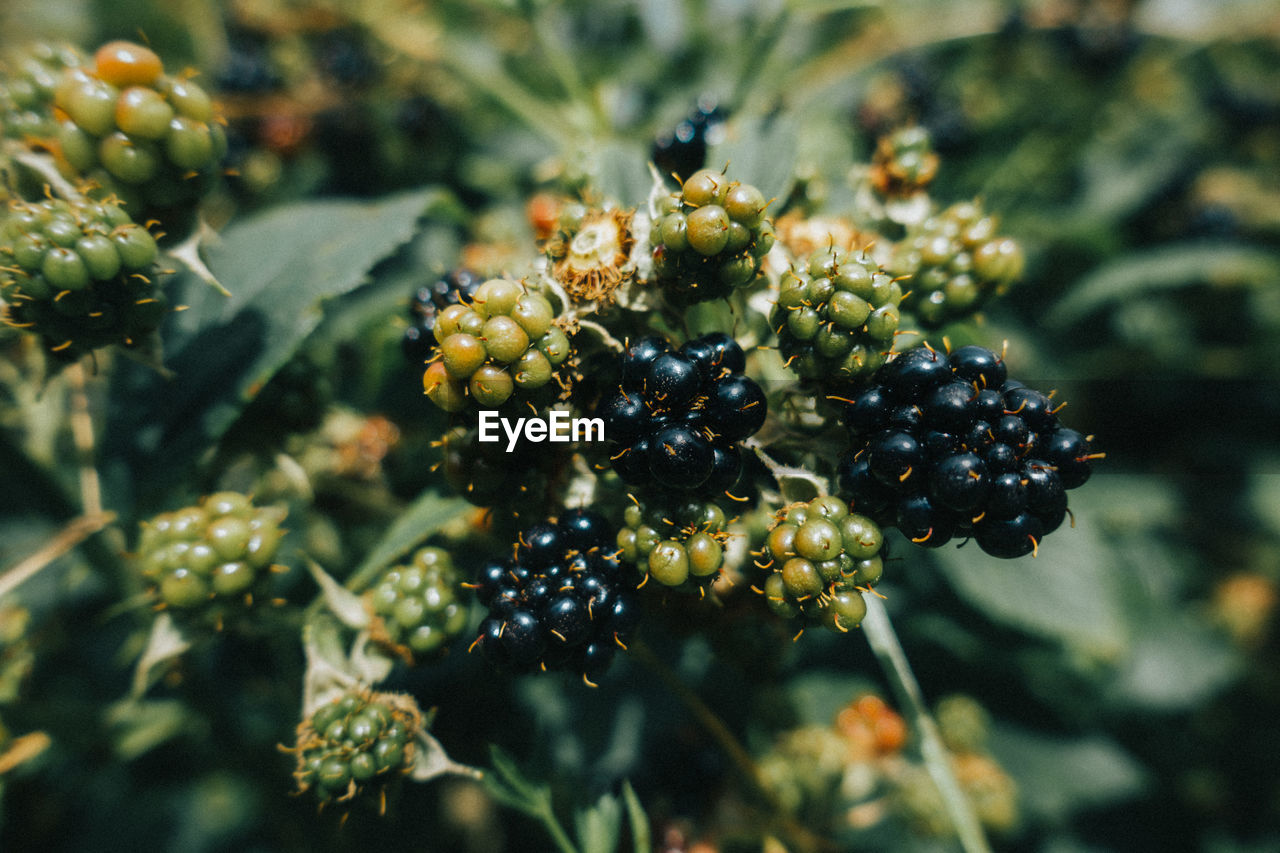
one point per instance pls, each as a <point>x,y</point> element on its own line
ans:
<point>948,446</point>
<point>428,301</point>
<point>678,415</point>
<point>560,602</point>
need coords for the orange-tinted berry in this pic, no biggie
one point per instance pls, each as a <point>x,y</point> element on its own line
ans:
<point>124,63</point>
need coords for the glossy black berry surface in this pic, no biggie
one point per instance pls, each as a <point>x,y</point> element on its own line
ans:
<point>560,602</point>
<point>677,415</point>
<point>946,446</point>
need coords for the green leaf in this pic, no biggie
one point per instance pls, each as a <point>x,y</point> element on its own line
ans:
<point>640,836</point>
<point>1175,663</point>
<point>1058,776</point>
<point>1072,592</point>
<point>1166,268</point>
<point>509,786</point>
<point>281,267</point>
<point>427,514</point>
<point>599,825</point>
<point>760,151</point>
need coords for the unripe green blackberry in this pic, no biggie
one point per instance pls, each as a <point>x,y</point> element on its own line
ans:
<point>79,274</point>
<point>357,741</point>
<point>415,608</point>
<point>904,162</point>
<point>678,542</point>
<point>208,562</point>
<point>819,557</point>
<point>710,238</point>
<point>503,342</point>
<point>28,77</point>
<point>152,138</point>
<point>836,319</point>
<point>956,262</point>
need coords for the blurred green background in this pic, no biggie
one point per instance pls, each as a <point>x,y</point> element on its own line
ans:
<point>1130,671</point>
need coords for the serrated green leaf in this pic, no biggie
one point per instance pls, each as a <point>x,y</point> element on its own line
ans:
<point>1058,776</point>
<point>1071,592</point>
<point>281,267</point>
<point>641,838</point>
<point>1166,268</point>
<point>598,826</point>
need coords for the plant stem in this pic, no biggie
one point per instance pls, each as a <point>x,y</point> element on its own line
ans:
<point>563,842</point>
<point>893,660</point>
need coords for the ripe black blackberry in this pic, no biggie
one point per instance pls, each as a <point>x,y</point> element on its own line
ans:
<point>429,300</point>
<point>560,602</point>
<point>682,150</point>
<point>678,415</point>
<point>948,446</point>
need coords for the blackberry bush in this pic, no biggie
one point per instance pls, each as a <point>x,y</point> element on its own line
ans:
<point>561,602</point>
<point>947,446</point>
<point>80,274</point>
<point>677,417</point>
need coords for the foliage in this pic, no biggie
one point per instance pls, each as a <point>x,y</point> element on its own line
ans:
<point>1123,677</point>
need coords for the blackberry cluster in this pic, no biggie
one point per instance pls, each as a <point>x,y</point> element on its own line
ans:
<point>677,417</point>
<point>415,607</point>
<point>955,262</point>
<point>78,275</point>
<point>205,561</point>
<point>818,556</point>
<point>710,238</point>
<point>356,740</point>
<point>153,139</point>
<point>501,342</point>
<point>428,301</point>
<point>678,543</point>
<point>904,162</point>
<point>560,602</point>
<point>28,78</point>
<point>481,471</point>
<point>947,446</point>
<point>836,320</point>
<point>682,150</point>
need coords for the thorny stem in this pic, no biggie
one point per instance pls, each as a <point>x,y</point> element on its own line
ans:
<point>72,534</point>
<point>893,660</point>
